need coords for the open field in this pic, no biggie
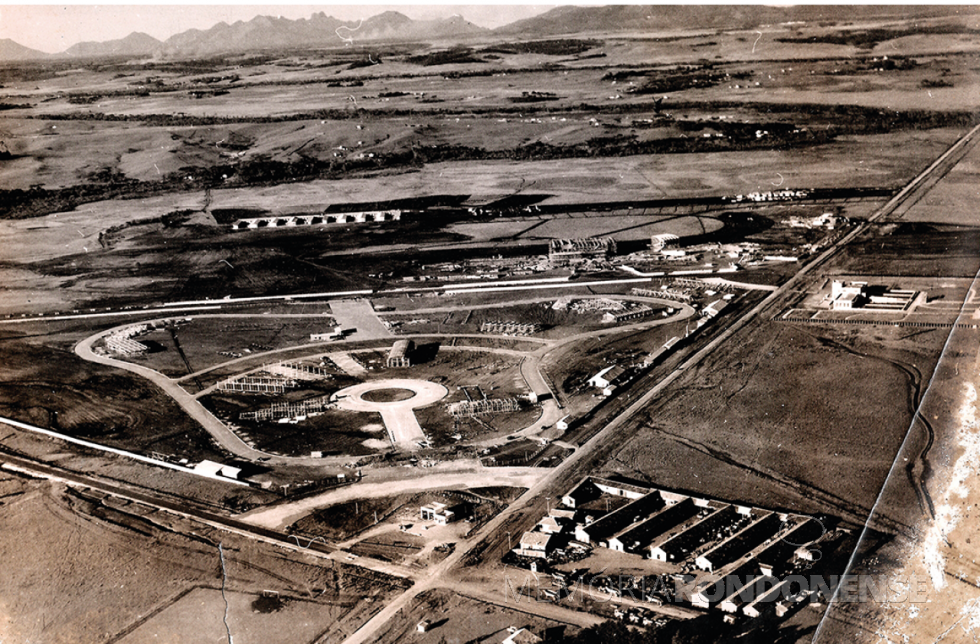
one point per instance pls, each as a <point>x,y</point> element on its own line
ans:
<point>916,250</point>
<point>464,619</point>
<point>64,266</point>
<point>208,341</point>
<point>939,557</point>
<point>44,383</point>
<point>955,203</point>
<point>155,577</point>
<point>765,396</point>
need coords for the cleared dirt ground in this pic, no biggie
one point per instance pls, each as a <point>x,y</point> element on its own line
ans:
<point>77,570</point>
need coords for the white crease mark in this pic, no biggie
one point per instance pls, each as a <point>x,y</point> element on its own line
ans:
<point>224,578</point>
<point>349,40</point>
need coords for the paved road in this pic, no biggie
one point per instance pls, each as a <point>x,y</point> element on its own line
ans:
<point>226,438</point>
<point>350,366</point>
<point>415,480</point>
<point>360,315</point>
<point>545,609</point>
<point>398,416</point>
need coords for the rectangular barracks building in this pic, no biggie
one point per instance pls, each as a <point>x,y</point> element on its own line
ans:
<point>677,548</point>
<point>614,522</point>
<point>593,487</point>
<point>636,536</point>
<point>740,544</point>
<point>772,560</point>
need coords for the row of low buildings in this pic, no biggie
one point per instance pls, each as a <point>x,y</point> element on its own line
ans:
<point>268,385</point>
<point>469,408</point>
<point>634,313</point>
<point>570,251</point>
<point>670,527</point>
<point>510,328</point>
<point>290,221</point>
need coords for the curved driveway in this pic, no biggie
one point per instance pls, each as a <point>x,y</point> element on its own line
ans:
<point>398,415</point>
<point>224,436</point>
<point>231,442</point>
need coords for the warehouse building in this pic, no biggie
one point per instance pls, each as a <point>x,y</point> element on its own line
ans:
<point>775,557</point>
<point>401,354</point>
<point>739,544</point>
<point>767,600</point>
<point>620,488</point>
<point>585,492</point>
<point>607,377</point>
<point>754,588</point>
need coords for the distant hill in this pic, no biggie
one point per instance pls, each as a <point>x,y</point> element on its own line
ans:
<point>135,44</point>
<point>392,25</point>
<point>10,50</point>
<point>321,30</point>
<point>567,20</point>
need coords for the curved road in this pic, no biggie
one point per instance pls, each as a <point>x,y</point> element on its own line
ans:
<point>231,442</point>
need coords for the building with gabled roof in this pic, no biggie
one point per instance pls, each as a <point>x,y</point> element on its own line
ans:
<point>677,548</point>
<point>638,536</point>
<point>740,543</point>
<point>540,541</point>
<point>522,636</point>
<point>618,519</point>
<point>606,377</point>
<point>585,491</point>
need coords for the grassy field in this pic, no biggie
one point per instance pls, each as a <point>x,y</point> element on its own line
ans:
<point>916,250</point>
<point>208,341</point>
<point>58,261</point>
<point>116,550</point>
<point>955,203</point>
<point>762,422</point>
<point>463,619</point>
<point>43,383</point>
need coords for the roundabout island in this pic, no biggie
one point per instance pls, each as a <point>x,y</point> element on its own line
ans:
<point>398,416</point>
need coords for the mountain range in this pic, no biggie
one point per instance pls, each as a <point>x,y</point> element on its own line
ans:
<point>321,30</point>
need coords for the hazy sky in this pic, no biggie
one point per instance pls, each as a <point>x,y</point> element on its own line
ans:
<point>55,28</point>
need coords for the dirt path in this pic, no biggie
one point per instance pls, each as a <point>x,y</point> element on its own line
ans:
<point>280,516</point>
